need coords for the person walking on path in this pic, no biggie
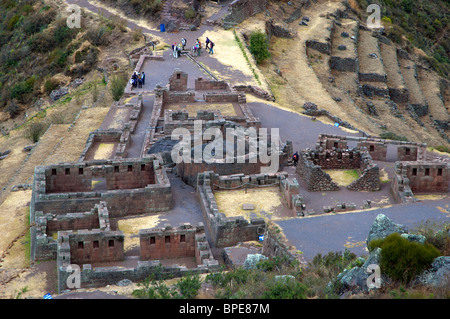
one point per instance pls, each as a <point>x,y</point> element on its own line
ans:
<point>199,47</point>
<point>183,42</point>
<point>295,158</point>
<point>174,49</point>
<point>208,41</point>
<point>211,45</point>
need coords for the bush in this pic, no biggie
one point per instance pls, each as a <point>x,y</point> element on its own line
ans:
<point>287,288</point>
<point>402,260</point>
<point>50,85</point>
<point>35,130</point>
<point>393,136</point>
<point>19,90</point>
<point>117,86</point>
<point>259,46</point>
<point>189,286</point>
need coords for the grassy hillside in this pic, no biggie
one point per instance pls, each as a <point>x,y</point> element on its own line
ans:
<point>418,23</point>
<point>39,52</point>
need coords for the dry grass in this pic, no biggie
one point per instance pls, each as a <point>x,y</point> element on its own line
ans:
<point>120,116</point>
<point>131,227</point>
<point>343,177</point>
<point>104,151</point>
<point>228,53</point>
<point>227,109</point>
<point>230,202</point>
<point>14,221</point>
<point>72,145</point>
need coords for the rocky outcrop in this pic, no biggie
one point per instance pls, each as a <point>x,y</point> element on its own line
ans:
<point>357,278</point>
<point>383,226</point>
<point>439,273</point>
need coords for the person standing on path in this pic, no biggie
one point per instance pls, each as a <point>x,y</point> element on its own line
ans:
<point>211,45</point>
<point>143,78</point>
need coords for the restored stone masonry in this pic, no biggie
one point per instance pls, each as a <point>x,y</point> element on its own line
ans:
<point>128,187</point>
<point>419,177</point>
<point>227,231</point>
<point>85,248</point>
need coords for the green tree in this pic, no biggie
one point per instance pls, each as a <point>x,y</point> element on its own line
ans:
<point>259,46</point>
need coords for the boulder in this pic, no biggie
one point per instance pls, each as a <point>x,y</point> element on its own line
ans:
<point>383,226</point>
<point>439,273</point>
<point>356,279</point>
<point>252,259</point>
<point>413,237</point>
<point>56,94</point>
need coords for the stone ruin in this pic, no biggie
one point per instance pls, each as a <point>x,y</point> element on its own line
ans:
<point>413,172</point>
<point>97,246</point>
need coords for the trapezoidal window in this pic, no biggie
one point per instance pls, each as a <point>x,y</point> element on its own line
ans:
<point>130,168</point>
<point>336,144</point>
<point>80,245</point>
<point>439,172</point>
<point>80,171</point>
<point>111,243</point>
<point>152,240</point>
<point>95,244</point>
<point>116,169</point>
<point>67,171</point>
<point>167,239</point>
<point>414,171</point>
<point>371,148</point>
<point>178,76</point>
<point>182,238</point>
<point>407,151</point>
<point>427,172</point>
<point>53,171</point>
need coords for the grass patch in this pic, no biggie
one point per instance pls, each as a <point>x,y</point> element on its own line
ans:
<point>343,177</point>
<point>244,53</point>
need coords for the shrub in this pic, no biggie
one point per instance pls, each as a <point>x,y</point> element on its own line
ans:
<point>259,46</point>
<point>401,259</point>
<point>189,13</point>
<point>287,288</point>
<point>393,136</point>
<point>189,286</point>
<point>117,86</point>
<point>19,90</point>
<point>35,130</point>
<point>50,85</point>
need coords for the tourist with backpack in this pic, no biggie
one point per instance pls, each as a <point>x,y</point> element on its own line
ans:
<point>295,158</point>
<point>211,45</point>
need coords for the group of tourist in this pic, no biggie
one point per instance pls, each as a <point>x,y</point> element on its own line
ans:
<point>196,48</point>
<point>137,79</point>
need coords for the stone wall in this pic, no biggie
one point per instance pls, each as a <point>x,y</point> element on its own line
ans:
<point>344,64</point>
<point>228,231</point>
<point>92,246</point>
<point>315,178</point>
<point>311,165</point>
<point>169,243</point>
<point>239,10</point>
<point>156,197</point>
<point>205,85</point>
<point>178,81</point>
<point>91,277</point>
<point>44,246</point>
<point>275,244</point>
<point>427,177</point>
